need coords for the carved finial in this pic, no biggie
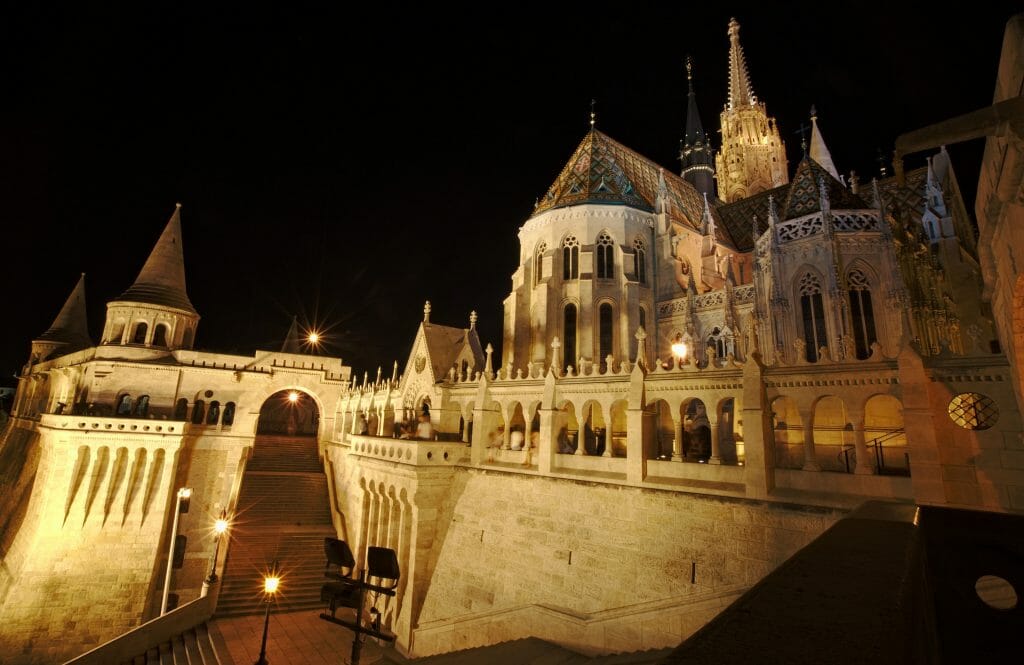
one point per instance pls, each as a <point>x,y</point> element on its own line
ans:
<point>426,312</point>
<point>593,113</point>
<point>378,373</point>
<point>472,320</point>
<point>487,363</point>
<point>394,372</point>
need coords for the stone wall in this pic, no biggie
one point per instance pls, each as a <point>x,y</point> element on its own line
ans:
<point>506,542</point>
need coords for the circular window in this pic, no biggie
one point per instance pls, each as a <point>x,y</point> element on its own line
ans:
<point>996,592</point>
<point>208,393</point>
<point>973,411</point>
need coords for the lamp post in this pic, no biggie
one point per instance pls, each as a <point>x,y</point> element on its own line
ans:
<point>181,506</point>
<point>679,349</point>
<point>220,527</point>
<point>271,583</point>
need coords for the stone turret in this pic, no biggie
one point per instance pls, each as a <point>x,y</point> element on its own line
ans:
<point>155,310</point>
<point>69,331</point>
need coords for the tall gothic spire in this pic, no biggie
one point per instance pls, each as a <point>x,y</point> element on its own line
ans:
<point>292,341</point>
<point>741,92</point>
<point>70,327</point>
<point>696,156</point>
<point>162,279</point>
<point>819,151</point>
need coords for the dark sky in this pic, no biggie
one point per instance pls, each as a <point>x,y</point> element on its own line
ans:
<point>346,167</point>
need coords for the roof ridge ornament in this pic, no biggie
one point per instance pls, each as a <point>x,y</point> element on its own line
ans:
<point>593,113</point>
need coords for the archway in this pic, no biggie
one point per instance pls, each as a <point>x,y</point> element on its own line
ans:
<point>884,435</point>
<point>289,412</point>
<point>696,431</point>
<point>833,435</point>
<point>788,430</point>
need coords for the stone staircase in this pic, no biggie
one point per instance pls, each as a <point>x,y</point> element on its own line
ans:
<point>283,515</point>
<point>193,647</point>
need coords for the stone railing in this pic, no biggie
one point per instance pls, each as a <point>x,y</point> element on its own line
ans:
<point>409,451</point>
<point>105,424</point>
<point>149,635</point>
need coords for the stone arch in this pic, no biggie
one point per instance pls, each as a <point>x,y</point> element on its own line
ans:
<point>788,431</point>
<point>594,425</point>
<point>658,430</point>
<point>833,433</point>
<point>618,423</point>
<point>726,410</point>
<point>289,412</point>
<point>466,421</point>
<point>161,334</point>
<point>566,427</point>
<point>696,428</point>
<point>885,434</point>
<point>140,332</point>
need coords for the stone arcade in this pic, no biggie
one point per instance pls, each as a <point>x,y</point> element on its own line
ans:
<point>703,384</point>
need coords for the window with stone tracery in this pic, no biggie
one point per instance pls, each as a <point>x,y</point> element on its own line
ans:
<point>719,343</point>
<point>569,335</point>
<point>570,258</point>
<point>605,333</point>
<point>861,312</point>
<point>640,260</point>
<point>813,311</point>
<point>538,262</point>
<point>605,256</point>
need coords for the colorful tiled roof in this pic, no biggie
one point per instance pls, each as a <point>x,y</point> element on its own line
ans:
<point>804,195</point>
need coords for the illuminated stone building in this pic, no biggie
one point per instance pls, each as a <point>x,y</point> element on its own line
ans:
<point>691,386</point>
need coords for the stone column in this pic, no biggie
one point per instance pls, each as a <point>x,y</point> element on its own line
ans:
<point>810,457</point>
<point>865,458</point>
<point>677,441</point>
<point>636,460</point>
<point>581,439</point>
<point>608,436</point>
<point>546,449</point>
<point>716,457</point>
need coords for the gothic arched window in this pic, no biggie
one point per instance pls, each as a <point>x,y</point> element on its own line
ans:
<point>538,262</point>
<point>228,418</point>
<point>569,334</point>
<point>160,335</point>
<point>719,343</point>
<point>813,311</point>
<point>605,256</point>
<point>605,333</point>
<point>861,313</point>
<point>640,260</point>
<point>140,333</point>
<point>124,405</point>
<point>142,406</point>
<point>570,258</point>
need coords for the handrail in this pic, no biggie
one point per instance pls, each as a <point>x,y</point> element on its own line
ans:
<point>151,634</point>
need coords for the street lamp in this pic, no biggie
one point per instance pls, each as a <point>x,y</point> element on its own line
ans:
<point>271,583</point>
<point>679,349</point>
<point>220,527</point>
<point>184,495</point>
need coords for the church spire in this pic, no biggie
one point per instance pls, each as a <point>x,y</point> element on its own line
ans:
<point>741,92</point>
<point>292,342</point>
<point>162,279</point>
<point>819,151</point>
<point>70,329</point>
<point>695,155</point>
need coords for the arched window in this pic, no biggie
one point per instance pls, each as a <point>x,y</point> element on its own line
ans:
<point>570,258</point>
<point>640,260</point>
<point>140,333</point>
<point>124,405</point>
<point>605,256</point>
<point>160,335</point>
<point>142,406</point>
<point>813,311</point>
<point>861,313</point>
<point>198,412</point>
<point>213,414</point>
<point>228,419</point>
<point>569,334</point>
<point>605,333</point>
<point>181,409</point>
<point>643,318</point>
<point>186,340</point>
<point>717,342</point>
<point>538,262</point>
<point>116,334</point>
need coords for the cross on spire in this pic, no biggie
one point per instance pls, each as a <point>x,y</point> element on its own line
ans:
<point>802,131</point>
<point>593,113</point>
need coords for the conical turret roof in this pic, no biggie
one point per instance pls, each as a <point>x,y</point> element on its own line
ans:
<point>162,279</point>
<point>819,151</point>
<point>292,341</point>
<point>71,325</point>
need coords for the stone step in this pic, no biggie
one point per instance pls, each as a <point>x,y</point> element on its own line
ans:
<point>193,647</point>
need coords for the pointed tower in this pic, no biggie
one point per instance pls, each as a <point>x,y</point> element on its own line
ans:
<point>696,155</point>
<point>819,151</point>
<point>155,310</point>
<point>69,332</point>
<point>292,341</point>
<point>753,156</point>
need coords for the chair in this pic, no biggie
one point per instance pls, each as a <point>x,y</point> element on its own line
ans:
<point>344,590</point>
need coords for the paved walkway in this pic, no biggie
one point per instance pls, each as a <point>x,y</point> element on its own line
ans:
<point>294,638</point>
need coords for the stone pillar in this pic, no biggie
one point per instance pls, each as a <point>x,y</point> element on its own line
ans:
<point>716,457</point>
<point>810,457</point>
<point>608,436</point>
<point>636,456</point>
<point>546,448</point>
<point>581,439</point>
<point>758,445</point>
<point>677,441</point>
<point>865,458</point>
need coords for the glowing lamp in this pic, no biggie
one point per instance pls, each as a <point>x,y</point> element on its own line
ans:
<point>314,338</point>
<point>270,584</point>
<point>679,348</point>
<point>220,526</point>
<point>293,396</point>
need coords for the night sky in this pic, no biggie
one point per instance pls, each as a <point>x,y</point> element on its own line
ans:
<point>346,167</point>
